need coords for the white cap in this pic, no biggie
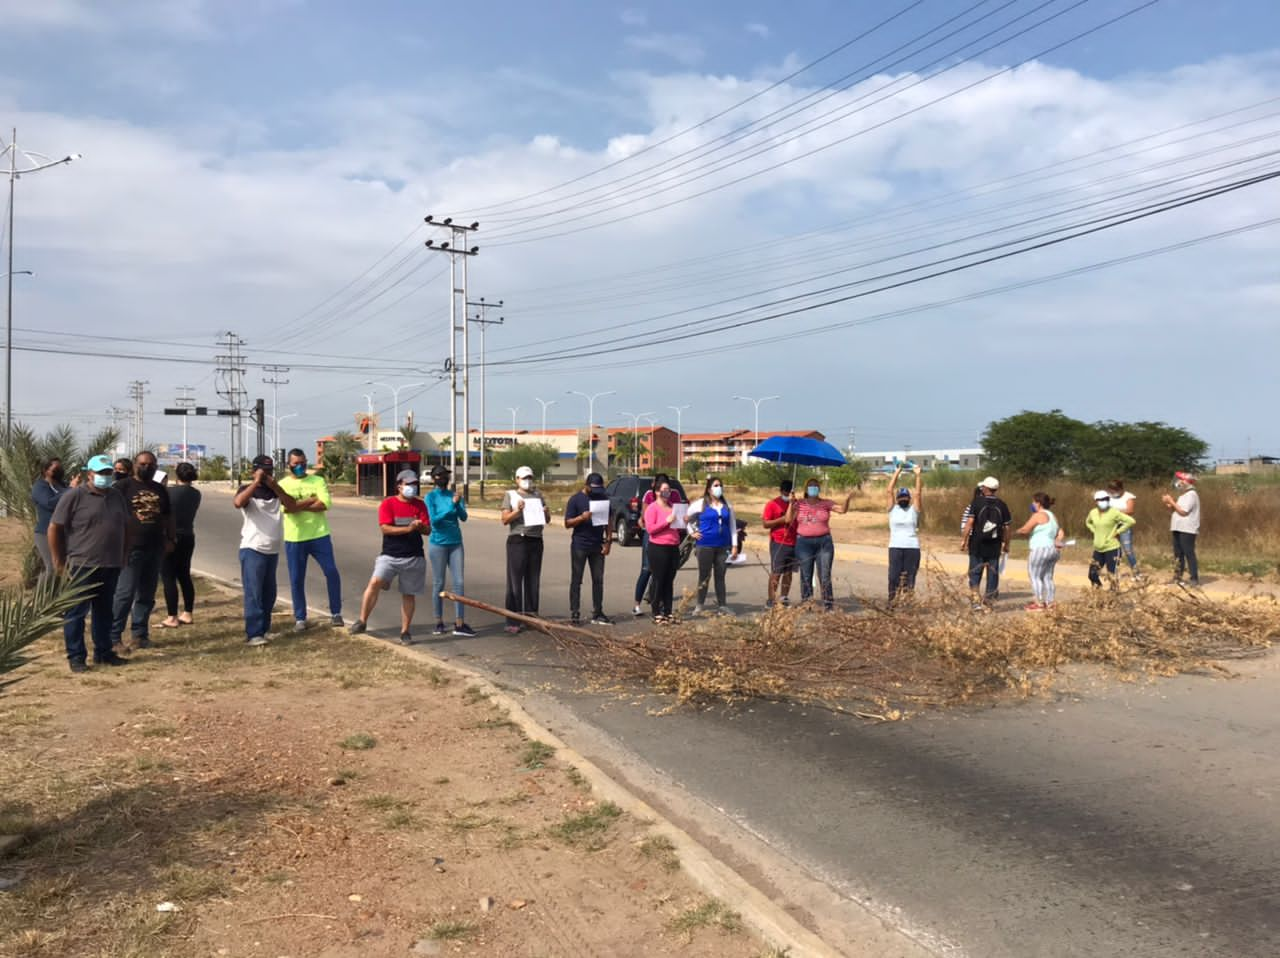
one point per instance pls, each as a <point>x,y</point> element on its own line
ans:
<point>1101,494</point>
<point>991,482</point>
<point>524,472</point>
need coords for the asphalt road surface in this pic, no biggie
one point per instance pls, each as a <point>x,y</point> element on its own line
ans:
<point>1137,820</point>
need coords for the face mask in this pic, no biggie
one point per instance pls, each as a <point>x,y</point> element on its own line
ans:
<point>526,484</point>
<point>904,504</point>
<point>410,491</point>
<point>717,491</point>
<point>103,482</point>
<point>299,470</point>
<point>442,481</point>
<point>811,492</point>
<point>146,472</point>
<point>57,475</point>
<point>117,476</point>
<point>1103,506</point>
<point>1034,508</point>
<point>665,494</point>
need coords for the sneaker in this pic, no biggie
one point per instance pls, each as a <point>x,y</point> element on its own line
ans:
<point>512,630</point>
<point>111,658</point>
<point>337,621</point>
<point>637,611</point>
<point>725,611</point>
<point>786,601</point>
<point>78,667</point>
<point>601,619</point>
<point>299,625</point>
<point>463,629</point>
<point>575,618</point>
<point>256,640</point>
<point>406,638</point>
<point>357,627</point>
<point>440,629</point>
<point>699,609</point>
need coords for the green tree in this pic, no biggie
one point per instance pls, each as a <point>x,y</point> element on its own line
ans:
<point>628,448</point>
<point>1137,450</point>
<point>538,456</point>
<point>213,469</point>
<point>339,458</point>
<point>1034,445</point>
<point>849,476</point>
<point>694,470</point>
<point>20,460</point>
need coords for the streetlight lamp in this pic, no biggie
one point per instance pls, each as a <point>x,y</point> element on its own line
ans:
<point>36,162</point>
<point>513,410</point>
<point>679,411</point>
<point>591,423</point>
<point>544,403</point>
<point>635,436</point>
<point>395,396</point>
<point>276,429</point>
<point>756,403</point>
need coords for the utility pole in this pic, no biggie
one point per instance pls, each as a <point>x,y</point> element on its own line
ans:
<point>482,320</point>
<point>231,370</point>
<point>118,417</point>
<point>544,403</point>
<point>679,411</point>
<point>591,426</point>
<point>459,329</point>
<point>184,401</point>
<point>275,379</point>
<point>137,389</point>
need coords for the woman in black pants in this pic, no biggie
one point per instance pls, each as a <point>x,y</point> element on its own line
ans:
<point>184,500</point>
<point>663,548</point>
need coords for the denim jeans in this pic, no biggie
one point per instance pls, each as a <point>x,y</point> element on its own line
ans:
<point>446,558</point>
<point>100,603</point>
<point>1126,548</point>
<point>258,577</point>
<point>642,580</point>
<point>978,561</point>
<point>819,551</point>
<point>296,555</point>
<point>1184,555</point>
<point>136,591</point>
<point>1103,560</point>
<point>904,564</point>
<point>579,559</point>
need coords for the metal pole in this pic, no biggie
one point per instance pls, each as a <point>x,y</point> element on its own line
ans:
<point>453,362</point>
<point>8,334</point>
<point>484,451</point>
<point>679,411</point>
<point>466,378</point>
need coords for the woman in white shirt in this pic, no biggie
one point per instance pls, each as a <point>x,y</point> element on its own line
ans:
<point>904,533</point>
<point>1124,502</point>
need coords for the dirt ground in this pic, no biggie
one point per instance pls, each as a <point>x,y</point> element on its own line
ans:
<point>322,796</point>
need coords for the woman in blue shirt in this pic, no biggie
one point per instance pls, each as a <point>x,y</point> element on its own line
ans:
<point>45,493</point>
<point>444,547</point>
<point>712,525</point>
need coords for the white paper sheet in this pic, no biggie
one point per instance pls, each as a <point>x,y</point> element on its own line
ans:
<point>533,513</point>
<point>599,512</point>
<point>681,511</point>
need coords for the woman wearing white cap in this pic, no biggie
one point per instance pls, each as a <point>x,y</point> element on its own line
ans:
<point>524,513</point>
<point>1106,524</point>
<point>1184,523</point>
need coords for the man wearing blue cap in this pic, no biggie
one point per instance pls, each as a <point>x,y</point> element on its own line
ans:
<point>89,537</point>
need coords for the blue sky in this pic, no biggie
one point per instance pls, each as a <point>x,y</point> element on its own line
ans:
<point>245,160</point>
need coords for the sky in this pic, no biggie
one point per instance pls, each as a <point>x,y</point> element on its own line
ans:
<point>903,219</point>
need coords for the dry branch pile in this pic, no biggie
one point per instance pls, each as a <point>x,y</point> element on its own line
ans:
<point>886,662</point>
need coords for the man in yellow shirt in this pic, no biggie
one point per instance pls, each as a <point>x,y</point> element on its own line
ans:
<point>1106,524</point>
<point>306,535</point>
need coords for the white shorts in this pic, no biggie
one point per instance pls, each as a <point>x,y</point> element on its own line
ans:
<point>411,570</point>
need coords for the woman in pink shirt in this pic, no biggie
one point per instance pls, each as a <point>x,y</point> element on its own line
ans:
<point>813,539</point>
<point>663,551</point>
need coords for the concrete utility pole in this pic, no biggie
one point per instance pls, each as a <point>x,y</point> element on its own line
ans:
<point>459,335</point>
<point>231,370</point>
<point>275,379</point>
<point>137,389</point>
<point>32,163</point>
<point>679,411</point>
<point>481,319</point>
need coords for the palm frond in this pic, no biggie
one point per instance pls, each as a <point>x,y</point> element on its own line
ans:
<point>27,614</point>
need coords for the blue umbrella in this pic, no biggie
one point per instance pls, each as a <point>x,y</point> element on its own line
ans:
<point>799,451</point>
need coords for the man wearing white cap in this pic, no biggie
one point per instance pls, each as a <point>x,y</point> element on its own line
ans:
<point>524,525</point>
<point>986,537</point>
<point>404,521</point>
<point>1184,523</point>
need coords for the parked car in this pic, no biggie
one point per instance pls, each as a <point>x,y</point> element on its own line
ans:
<point>625,494</point>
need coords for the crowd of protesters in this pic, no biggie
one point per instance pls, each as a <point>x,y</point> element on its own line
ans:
<point>123,530</point>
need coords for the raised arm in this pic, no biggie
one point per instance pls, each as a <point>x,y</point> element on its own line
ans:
<point>844,506</point>
<point>893,486</point>
<point>919,471</point>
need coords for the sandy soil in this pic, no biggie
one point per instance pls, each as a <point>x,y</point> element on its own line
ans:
<point>320,797</point>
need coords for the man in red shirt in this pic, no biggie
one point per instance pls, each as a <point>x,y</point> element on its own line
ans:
<point>780,519</point>
<point>404,522</point>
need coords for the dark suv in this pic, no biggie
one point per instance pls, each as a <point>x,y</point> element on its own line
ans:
<point>625,494</point>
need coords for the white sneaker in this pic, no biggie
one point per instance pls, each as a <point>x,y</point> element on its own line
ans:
<point>637,611</point>
<point>256,640</point>
<point>699,609</point>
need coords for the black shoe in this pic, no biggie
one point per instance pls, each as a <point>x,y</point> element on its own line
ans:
<point>78,666</point>
<point>143,643</point>
<point>575,619</point>
<point>110,659</point>
<point>357,627</point>
<point>336,621</point>
<point>601,619</point>
<point>406,638</point>
<point>440,629</point>
<point>464,630</point>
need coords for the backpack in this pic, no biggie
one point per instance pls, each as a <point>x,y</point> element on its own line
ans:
<point>988,522</point>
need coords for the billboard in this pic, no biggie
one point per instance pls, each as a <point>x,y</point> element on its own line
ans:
<point>171,453</point>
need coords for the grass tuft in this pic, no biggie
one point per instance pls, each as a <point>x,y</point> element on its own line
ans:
<point>661,850</point>
<point>536,754</point>
<point>710,914</point>
<point>589,830</point>
<point>450,930</point>
<point>358,742</point>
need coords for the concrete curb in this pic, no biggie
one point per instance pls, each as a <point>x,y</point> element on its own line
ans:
<point>709,874</point>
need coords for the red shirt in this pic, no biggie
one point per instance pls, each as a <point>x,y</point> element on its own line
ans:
<point>776,509</point>
<point>395,511</point>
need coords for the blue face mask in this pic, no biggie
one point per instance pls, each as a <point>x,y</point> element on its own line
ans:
<point>103,481</point>
<point>410,491</point>
<point>299,470</point>
<point>811,491</point>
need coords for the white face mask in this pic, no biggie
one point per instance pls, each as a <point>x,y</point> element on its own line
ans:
<point>717,491</point>
<point>1104,505</point>
<point>410,491</point>
<point>526,483</point>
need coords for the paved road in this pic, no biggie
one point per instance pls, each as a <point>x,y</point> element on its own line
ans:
<point>1137,821</point>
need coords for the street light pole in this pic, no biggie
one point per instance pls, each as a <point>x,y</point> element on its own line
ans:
<point>591,424</point>
<point>395,397</point>
<point>38,162</point>
<point>513,410</point>
<point>679,411</point>
<point>635,436</point>
<point>756,403</point>
<point>544,403</point>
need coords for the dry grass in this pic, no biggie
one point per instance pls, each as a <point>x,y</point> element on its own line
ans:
<point>886,662</point>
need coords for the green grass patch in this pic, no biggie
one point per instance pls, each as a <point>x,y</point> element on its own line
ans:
<point>576,778</point>
<point>710,914</point>
<point>359,742</point>
<point>536,754</point>
<point>661,850</point>
<point>589,830</point>
<point>450,930</point>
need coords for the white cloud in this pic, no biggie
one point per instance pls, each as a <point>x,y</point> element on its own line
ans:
<point>759,29</point>
<point>678,46</point>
